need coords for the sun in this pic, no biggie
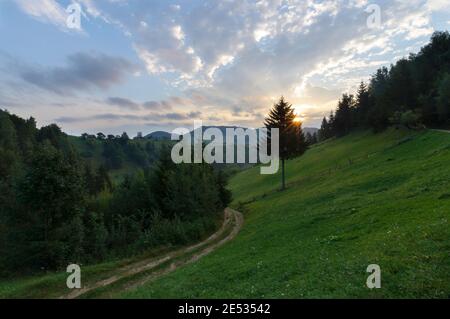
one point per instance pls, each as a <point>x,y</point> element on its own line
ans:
<point>299,111</point>
<point>297,119</point>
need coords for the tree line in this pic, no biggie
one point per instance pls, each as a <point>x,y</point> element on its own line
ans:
<point>57,208</point>
<point>118,150</point>
<point>414,92</point>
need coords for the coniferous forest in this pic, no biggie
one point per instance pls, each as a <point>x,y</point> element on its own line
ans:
<point>414,92</point>
<point>59,206</point>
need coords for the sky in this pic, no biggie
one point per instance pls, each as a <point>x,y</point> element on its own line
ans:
<point>143,66</point>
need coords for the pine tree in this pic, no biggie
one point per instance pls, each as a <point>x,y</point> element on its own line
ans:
<point>362,103</point>
<point>331,125</point>
<point>443,99</point>
<point>324,132</point>
<point>343,121</point>
<point>292,140</point>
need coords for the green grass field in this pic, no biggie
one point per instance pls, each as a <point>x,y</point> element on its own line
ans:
<point>363,199</point>
<point>359,200</point>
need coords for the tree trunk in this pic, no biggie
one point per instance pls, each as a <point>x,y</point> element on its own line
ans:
<point>283,179</point>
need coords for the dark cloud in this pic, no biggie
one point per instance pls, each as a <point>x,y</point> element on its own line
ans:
<point>111,116</point>
<point>182,116</point>
<point>167,104</point>
<point>104,116</point>
<point>195,114</point>
<point>122,102</point>
<point>153,105</point>
<point>170,124</point>
<point>161,105</point>
<point>83,71</point>
<point>69,119</point>
<point>174,116</point>
<point>237,110</point>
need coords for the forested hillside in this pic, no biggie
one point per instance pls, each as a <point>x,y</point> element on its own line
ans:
<point>58,205</point>
<point>118,155</point>
<point>414,92</point>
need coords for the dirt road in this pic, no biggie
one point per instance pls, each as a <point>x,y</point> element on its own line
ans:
<point>171,261</point>
<point>443,131</point>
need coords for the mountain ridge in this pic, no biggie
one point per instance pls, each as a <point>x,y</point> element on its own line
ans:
<point>164,135</point>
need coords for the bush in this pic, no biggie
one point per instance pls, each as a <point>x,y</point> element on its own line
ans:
<point>175,232</point>
<point>410,119</point>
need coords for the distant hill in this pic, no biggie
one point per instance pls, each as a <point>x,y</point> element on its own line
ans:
<point>162,135</point>
<point>159,135</point>
<point>223,129</point>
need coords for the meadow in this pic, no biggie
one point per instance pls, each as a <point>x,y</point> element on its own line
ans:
<point>363,199</point>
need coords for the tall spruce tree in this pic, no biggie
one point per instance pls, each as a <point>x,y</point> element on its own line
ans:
<point>343,120</point>
<point>324,130</point>
<point>443,100</point>
<point>292,140</point>
<point>362,104</point>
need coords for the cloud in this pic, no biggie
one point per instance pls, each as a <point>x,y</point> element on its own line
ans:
<point>174,117</point>
<point>123,102</point>
<point>51,12</point>
<point>48,11</point>
<point>163,105</point>
<point>153,105</point>
<point>84,71</point>
<point>168,104</point>
<point>314,95</point>
<point>231,60</point>
<point>102,116</point>
<point>247,53</point>
<point>181,116</point>
<point>438,5</point>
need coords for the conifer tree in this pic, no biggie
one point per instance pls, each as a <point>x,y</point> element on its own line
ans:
<point>292,140</point>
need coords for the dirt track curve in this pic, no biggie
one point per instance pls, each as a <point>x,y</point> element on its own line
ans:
<point>443,131</point>
<point>173,260</point>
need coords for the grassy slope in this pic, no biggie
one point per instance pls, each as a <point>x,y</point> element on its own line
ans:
<point>390,206</point>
